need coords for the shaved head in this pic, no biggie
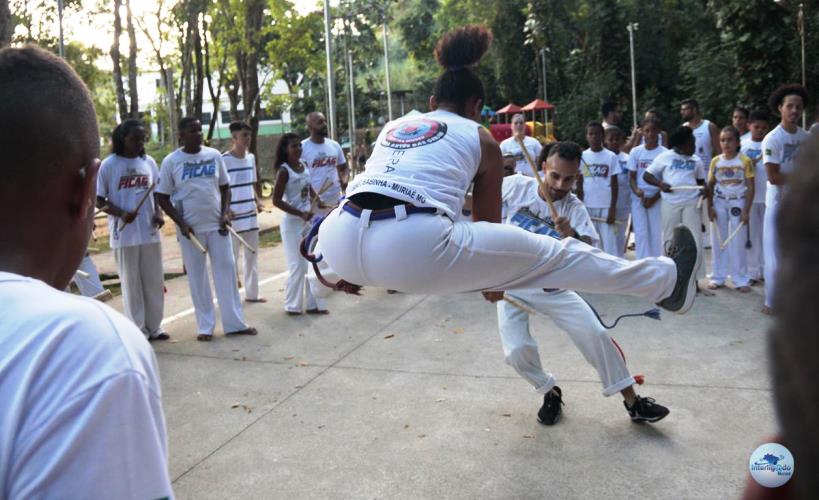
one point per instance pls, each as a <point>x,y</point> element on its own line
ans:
<point>47,118</point>
<point>317,125</point>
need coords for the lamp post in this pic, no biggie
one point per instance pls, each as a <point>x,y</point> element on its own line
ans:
<point>632,27</point>
<point>62,45</point>
<point>386,61</point>
<point>800,22</point>
<point>331,90</point>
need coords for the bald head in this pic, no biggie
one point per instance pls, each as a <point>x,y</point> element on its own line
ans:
<point>47,119</point>
<point>317,125</point>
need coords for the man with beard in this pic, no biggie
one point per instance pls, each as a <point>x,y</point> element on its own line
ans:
<point>325,159</point>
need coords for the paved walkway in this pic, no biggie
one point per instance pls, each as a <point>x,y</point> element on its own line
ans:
<point>407,396</point>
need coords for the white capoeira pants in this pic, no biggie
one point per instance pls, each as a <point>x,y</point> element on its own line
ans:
<point>674,214</point>
<point>571,314</point>
<point>298,290</point>
<point>756,259</point>
<point>648,228</point>
<point>734,259</point>
<point>769,249</point>
<point>90,286</point>
<point>143,289</point>
<point>220,254</point>
<point>622,214</point>
<point>428,253</point>
<point>250,276</point>
<point>607,232</point>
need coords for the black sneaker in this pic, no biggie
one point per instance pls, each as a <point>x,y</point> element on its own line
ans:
<point>646,410</point>
<point>550,411</point>
<point>682,249</point>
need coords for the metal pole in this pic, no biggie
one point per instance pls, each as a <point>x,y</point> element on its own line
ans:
<point>352,105</point>
<point>331,90</point>
<point>801,21</point>
<point>387,63</point>
<point>631,28</point>
<point>60,15</point>
<point>545,92</point>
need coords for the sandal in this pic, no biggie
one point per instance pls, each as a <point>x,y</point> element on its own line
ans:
<point>293,313</point>
<point>204,337</point>
<point>713,286</point>
<point>256,301</point>
<point>247,331</point>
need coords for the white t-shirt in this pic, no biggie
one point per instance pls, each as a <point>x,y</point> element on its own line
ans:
<point>744,137</point>
<point>623,187</point>
<point>124,181</point>
<point>80,399</point>
<point>731,175</point>
<point>597,169</point>
<point>639,160</point>
<point>678,170</point>
<point>511,147</point>
<point>427,160</point>
<point>781,147</point>
<point>526,209</point>
<point>193,182</point>
<point>323,161</point>
<point>702,141</point>
<point>297,191</point>
<point>753,150</point>
<point>242,173</point>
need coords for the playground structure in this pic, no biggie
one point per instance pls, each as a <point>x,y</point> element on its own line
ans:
<point>543,131</point>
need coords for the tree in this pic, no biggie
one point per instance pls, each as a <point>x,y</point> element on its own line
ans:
<point>6,26</point>
<point>122,105</point>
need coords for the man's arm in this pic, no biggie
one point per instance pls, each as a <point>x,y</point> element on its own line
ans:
<point>615,188</point>
<point>224,220</point>
<point>486,191</point>
<point>649,178</point>
<point>714,131</point>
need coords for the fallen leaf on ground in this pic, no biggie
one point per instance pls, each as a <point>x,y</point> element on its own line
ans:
<point>507,414</point>
<point>458,330</point>
<point>288,358</point>
<point>234,405</point>
<point>528,436</point>
<point>439,400</point>
<point>488,429</point>
<point>389,336</point>
<point>303,363</point>
<point>421,436</point>
<point>406,426</point>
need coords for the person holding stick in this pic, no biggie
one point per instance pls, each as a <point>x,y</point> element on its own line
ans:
<point>511,147</point>
<point>530,210</point>
<point>680,175</point>
<point>646,213</point>
<point>125,184</point>
<point>293,195</point>
<point>758,125</point>
<point>598,188</point>
<point>731,184</point>
<point>399,227</point>
<point>197,178</point>
<point>245,203</point>
<point>614,139</point>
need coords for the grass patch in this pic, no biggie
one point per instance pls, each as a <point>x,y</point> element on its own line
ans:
<point>270,238</point>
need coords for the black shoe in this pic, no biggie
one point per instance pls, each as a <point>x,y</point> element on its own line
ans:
<point>550,411</point>
<point>646,410</point>
<point>682,249</point>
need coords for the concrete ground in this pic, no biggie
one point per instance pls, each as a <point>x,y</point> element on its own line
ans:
<point>408,396</point>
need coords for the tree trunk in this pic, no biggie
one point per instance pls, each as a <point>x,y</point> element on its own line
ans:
<point>6,24</point>
<point>198,73</point>
<point>215,92</point>
<point>254,10</point>
<point>132,62</point>
<point>122,105</point>
<point>232,87</point>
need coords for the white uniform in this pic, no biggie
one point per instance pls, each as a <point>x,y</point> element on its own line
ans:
<point>623,202</point>
<point>782,148</point>
<point>124,182</point>
<point>756,261</point>
<point>429,161</point>
<point>598,169</point>
<point>242,173</point>
<point>293,229</point>
<point>80,399</point>
<point>679,207</point>
<point>193,181</point>
<point>704,151</point>
<point>323,161</point>
<point>511,147</point>
<point>647,222</point>
<point>90,286</point>
<point>570,312</point>
<point>729,202</point>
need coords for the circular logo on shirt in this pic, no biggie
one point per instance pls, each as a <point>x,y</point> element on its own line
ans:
<point>414,133</point>
<point>771,465</point>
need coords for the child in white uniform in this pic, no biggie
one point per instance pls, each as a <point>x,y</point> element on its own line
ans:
<point>293,195</point>
<point>529,210</point>
<point>124,180</point>
<point>731,194</point>
<point>752,148</point>
<point>197,178</point>
<point>614,143</point>
<point>646,205</point>
<point>598,188</point>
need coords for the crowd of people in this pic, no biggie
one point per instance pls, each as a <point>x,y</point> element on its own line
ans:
<point>558,222</point>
